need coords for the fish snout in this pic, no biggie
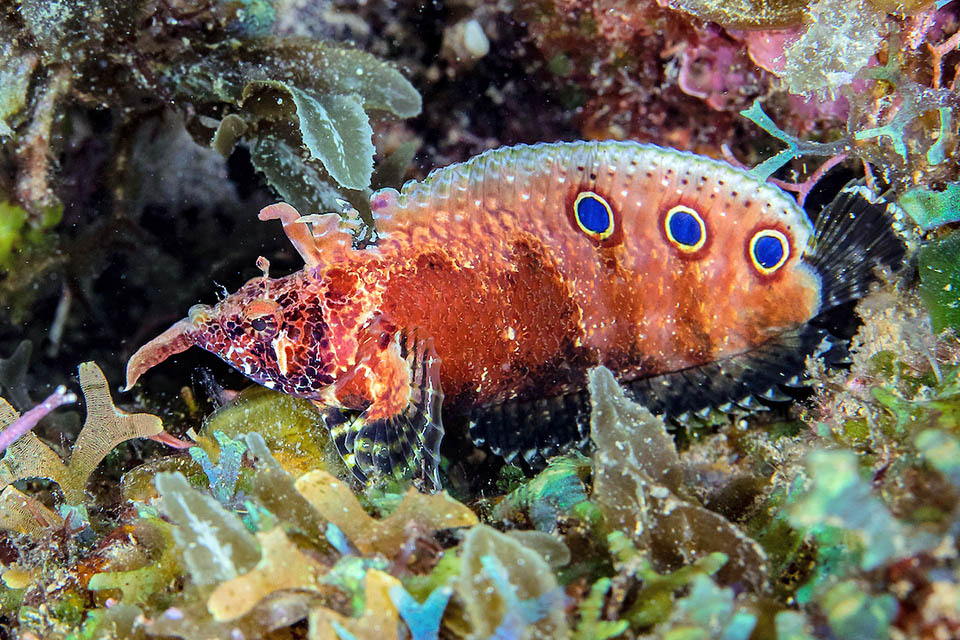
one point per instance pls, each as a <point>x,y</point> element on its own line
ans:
<point>179,337</point>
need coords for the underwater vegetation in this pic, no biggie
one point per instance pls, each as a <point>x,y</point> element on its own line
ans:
<point>639,539</point>
<point>138,140</point>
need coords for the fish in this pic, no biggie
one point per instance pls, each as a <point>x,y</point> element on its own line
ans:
<point>491,287</point>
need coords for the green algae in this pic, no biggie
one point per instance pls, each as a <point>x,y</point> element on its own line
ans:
<point>555,493</point>
<point>23,236</point>
<point>500,584</point>
<point>591,626</point>
<point>940,281</point>
<point>225,472</point>
<point>708,611</point>
<point>336,131</point>
<point>291,429</point>
<point>140,585</point>
<point>852,613</point>
<point>931,209</point>
<point>215,544</point>
<point>942,450</point>
<point>655,600</point>
<point>747,14</point>
<point>16,68</point>
<point>839,500</point>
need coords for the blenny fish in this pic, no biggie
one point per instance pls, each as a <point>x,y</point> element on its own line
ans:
<point>502,280</point>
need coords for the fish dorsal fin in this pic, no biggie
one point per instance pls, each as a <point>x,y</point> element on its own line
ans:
<point>519,178</point>
<point>318,238</point>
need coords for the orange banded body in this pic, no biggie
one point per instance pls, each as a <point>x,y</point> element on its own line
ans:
<point>487,258</point>
<point>503,279</point>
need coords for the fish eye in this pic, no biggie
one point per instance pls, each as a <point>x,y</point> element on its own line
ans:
<point>769,250</point>
<point>593,215</point>
<point>685,229</point>
<point>261,317</point>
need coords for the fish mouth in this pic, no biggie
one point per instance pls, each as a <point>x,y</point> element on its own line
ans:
<point>180,337</point>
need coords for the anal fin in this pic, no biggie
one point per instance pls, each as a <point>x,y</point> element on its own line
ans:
<point>409,441</point>
<point>534,430</point>
<point>538,429</point>
<point>738,379</point>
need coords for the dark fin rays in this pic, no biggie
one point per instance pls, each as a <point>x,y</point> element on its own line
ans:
<point>408,441</point>
<point>740,379</point>
<point>855,234</point>
<point>538,430</point>
<point>534,430</point>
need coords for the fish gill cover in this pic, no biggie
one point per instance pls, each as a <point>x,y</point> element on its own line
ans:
<point>140,138</point>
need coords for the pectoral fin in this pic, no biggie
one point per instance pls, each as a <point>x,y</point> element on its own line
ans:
<point>376,446</point>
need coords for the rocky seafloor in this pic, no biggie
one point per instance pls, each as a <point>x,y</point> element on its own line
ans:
<point>140,138</point>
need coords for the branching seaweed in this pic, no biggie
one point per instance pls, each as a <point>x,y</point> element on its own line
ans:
<point>506,587</point>
<point>335,502</point>
<point>105,427</point>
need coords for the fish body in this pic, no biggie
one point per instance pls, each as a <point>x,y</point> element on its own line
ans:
<point>503,279</point>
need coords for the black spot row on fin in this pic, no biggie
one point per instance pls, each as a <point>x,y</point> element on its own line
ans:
<point>533,430</point>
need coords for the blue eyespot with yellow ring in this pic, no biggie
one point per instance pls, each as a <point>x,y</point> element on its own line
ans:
<point>685,229</point>
<point>593,215</point>
<point>769,250</point>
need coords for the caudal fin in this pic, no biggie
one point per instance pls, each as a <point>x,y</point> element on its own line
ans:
<point>856,233</point>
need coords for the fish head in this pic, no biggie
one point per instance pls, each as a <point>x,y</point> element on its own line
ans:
<point>270,330</point>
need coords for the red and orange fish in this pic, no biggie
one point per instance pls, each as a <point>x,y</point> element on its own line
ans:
<point>503,279</point>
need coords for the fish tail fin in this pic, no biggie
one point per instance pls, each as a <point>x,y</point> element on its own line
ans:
<point>856,233</point>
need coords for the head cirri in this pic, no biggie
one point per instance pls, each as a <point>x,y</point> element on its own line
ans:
<point>271,330</point>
